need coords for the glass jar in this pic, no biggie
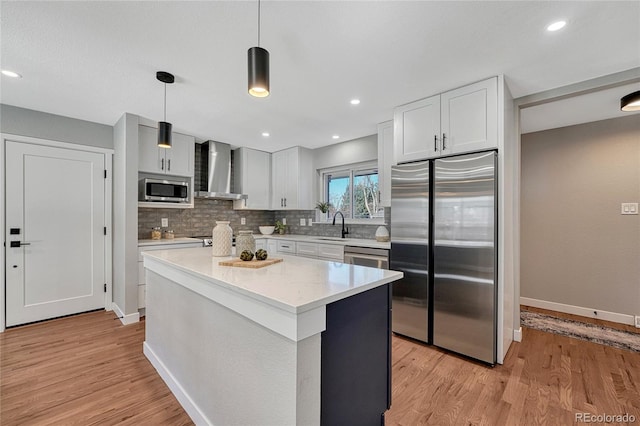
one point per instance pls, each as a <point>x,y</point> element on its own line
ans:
<point>221,239</point>
<point>168,234</point>
<point>245,241</point>
<point>155,233</point>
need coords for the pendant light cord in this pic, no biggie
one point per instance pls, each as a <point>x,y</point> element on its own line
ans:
<point>258,23</point>
<point>165,102</point>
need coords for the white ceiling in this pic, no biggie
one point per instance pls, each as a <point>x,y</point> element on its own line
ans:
<point>97,60</point>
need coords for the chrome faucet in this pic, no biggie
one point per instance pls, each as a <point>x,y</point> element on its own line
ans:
<point>345,231</point>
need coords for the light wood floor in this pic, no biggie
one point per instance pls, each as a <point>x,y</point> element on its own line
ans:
<point>89,370</point>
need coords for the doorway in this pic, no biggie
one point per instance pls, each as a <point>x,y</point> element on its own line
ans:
<point>57,251</point>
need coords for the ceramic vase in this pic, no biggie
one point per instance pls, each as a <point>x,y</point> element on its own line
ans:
<point>222,238</point>
<point>382,234</point>
<point>245,241</point>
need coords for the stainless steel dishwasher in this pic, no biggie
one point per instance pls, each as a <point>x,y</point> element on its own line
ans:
<point>365,256</point>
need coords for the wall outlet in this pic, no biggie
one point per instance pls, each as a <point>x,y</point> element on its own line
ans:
<point>243,221</point>
<point>284,220</point>
<point>302,222</point>
<point>637,321</point>
<point>164,222</point>
<point>309,221</point>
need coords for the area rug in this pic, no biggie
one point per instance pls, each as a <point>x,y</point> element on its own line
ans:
<point>580,330</point>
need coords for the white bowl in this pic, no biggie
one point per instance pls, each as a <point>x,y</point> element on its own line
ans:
<point>266,230</point>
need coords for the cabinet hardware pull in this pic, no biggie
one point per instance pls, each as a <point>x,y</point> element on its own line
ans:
<point>169,165</point>
<point>281,202</point>
<point>162,164</point>
<point>285,201</point>
<point>444,140</point>
<point>435,143</point>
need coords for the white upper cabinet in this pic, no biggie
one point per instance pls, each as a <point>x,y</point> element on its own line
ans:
<point>417,129</point>
<point>252,176</point>
<point>177,160</point>
<point>385,161</point>
<point>454,122</point>
<point>470,118</point>
<point>292,179</point>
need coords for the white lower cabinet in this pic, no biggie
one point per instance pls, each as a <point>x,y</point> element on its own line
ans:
<point>331,252</point>
<point>302,248</point>
<point>261,244</point>
<point>162,245</point>
<point>307,249</point>
<point>286,247</point>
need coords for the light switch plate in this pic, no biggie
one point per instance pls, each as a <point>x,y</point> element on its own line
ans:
<point>309,222</point>
<point>284,220</point>
<point>303,222</point>
<point>243,221</point>
<point>629,208</point>
<point>164,222</point>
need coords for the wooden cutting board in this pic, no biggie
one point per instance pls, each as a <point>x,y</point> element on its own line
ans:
<point>250,263</point>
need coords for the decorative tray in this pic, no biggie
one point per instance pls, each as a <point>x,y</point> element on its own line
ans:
<point>249,263</point>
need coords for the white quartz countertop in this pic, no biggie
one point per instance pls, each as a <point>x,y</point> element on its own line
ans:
<point>184,240</point>
<point>295,285</point>
<point>358,242</point>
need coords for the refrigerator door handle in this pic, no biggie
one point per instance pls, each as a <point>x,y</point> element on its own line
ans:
<point>435,143</point>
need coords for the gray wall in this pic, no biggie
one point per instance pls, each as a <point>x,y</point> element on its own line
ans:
<point>576,247</point>
<point>37,124</point>
<point>125,208</point>
<point>353,151</point>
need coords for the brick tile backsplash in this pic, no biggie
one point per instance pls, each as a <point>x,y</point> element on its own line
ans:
<point>200,220</point>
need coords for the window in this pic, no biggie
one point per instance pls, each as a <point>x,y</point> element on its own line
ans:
<point>353,191</point>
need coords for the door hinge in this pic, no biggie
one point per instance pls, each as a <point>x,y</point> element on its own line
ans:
<point>105,230</point>
<point>105,287</point>
<point>105,173</point>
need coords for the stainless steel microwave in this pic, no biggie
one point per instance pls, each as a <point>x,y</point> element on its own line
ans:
<point>161,190</point>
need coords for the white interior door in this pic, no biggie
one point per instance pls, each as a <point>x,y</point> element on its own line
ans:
<point>55,211</point>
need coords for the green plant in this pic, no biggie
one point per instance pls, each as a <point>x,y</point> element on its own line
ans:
<point>280,227</point>
<point>323,206</point>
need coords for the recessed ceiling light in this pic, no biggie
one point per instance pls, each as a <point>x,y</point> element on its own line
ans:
<point>355,101</point>
<point>13,74</point>
<point>335,137</point>
<point>265,134</point>
<point>556,26</point>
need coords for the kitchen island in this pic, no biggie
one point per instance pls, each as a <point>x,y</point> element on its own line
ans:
<point>301,342</point>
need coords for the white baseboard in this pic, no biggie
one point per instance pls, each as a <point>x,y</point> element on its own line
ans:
<point>517,335</point>
<point>178,391</point>
<point>579,310</point>
<point>125,319</point>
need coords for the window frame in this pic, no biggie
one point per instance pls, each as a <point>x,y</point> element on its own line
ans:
<point>351,170</point>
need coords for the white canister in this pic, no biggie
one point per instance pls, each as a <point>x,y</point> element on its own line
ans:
<point>222,238</point>
<point>382,234</point>
<point>245,241</point>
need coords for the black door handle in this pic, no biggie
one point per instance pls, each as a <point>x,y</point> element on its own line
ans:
<point>19,243</point>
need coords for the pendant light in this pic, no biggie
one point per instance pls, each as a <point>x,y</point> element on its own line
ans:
<point>631,102</point>
<point>164,128</point>
<point>258,68</point>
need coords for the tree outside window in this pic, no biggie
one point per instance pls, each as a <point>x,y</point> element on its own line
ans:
<point>354,192</point>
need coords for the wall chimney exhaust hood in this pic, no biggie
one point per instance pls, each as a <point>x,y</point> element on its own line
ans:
<point>214,172</point>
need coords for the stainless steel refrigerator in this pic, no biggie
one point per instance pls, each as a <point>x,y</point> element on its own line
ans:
<point>443,237</point>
